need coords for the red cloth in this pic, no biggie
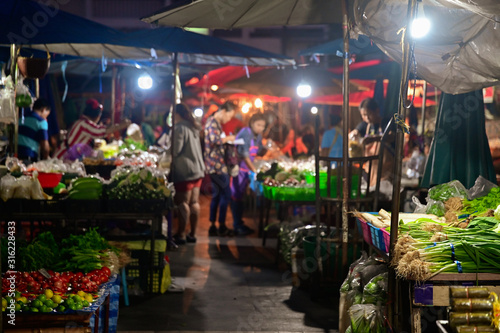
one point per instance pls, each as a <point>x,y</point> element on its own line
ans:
<point>233,126</point>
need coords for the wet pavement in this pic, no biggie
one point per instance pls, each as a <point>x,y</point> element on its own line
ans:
<point>228,284</point>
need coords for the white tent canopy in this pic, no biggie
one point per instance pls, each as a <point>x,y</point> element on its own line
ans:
<point>459,55</point>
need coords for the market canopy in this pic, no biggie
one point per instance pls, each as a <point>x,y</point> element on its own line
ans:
<point>460,53</point>
<point>361,46</point>
<point>34,25</point>
<point>194,48</point>
<point>250,13</point>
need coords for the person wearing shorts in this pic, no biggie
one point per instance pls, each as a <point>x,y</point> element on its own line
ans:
<point>188,169</point>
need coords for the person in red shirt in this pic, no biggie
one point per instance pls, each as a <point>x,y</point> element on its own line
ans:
<point>85,130</point>
<point>233,126</point>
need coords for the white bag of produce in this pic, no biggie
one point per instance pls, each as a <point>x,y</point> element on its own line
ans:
<point>8,185</point>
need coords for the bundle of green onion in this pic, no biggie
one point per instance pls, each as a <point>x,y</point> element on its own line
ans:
<point>426,248</point>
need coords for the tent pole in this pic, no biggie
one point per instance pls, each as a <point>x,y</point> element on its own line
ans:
<point>175,74</point>
<point>113,95</point>
<point>393,284</point>
<point>345,135</point>
<point>37,88</point>
<point>13,74</point>
<point>424,102</point>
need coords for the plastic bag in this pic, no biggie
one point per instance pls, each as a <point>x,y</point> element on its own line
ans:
<point>375,291</point>
<point>481,187</point>
<point>36,191</point>
<point>419,207</point>
<point>435,207</point>
<point>366,318</point>
<point>448,190</point>
<point>23,188</point>
<point>8,185</point>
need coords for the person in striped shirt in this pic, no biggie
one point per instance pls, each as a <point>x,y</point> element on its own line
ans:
<point>85,130</point>
<point>33,139</point>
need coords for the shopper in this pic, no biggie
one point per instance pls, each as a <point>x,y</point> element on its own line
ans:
<point>370,125</point>
<point>252,136</point>
<point>33,139</point>
<point>331,144</point>
<point>188,169</point>
<point>84,131</point>
<point>215,166</point>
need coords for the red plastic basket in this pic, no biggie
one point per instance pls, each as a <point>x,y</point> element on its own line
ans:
<point>49,179</point>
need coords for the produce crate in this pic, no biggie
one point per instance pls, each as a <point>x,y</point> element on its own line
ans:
<point>73,207</point>
<point>268,192</point>
<point>311,179</point>
<point>138,269</point>
<point>374,236</point>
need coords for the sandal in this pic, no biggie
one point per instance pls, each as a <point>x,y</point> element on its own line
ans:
<point>212,231</point>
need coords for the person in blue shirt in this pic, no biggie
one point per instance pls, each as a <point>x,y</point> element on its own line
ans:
<point>252,137</point>
<point>33,138</point>
<point>331,144</point>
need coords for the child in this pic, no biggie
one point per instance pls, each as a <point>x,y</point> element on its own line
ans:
<point>252,136</point>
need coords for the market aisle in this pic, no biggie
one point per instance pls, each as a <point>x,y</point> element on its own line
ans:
<point>230,284</point>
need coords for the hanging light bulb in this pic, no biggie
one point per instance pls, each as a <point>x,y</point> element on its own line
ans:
<point>198,112</point>
<point>421,25</point>
<point>246,107</point>
<point>314,110</point>
<point>304,90</point>
<point>145,82</point>
<point>258,103</point>
<point>214,87</point>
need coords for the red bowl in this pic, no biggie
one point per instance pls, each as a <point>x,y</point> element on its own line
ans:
<point>49,179</point>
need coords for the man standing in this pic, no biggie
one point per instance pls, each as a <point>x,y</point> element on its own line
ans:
<point>33,139</point>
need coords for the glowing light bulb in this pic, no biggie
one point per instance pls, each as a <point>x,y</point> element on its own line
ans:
<point>145,82</point>
<point>304,90</point>
<point>198,112</point>
<point>314,110</point>
<point>214,87</point>
<point>258,103</point>
<point>246,107</point>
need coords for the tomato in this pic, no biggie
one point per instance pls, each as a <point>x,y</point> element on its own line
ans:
<point>106,271</point>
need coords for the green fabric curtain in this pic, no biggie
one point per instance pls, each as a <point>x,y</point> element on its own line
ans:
<point>460,148</point>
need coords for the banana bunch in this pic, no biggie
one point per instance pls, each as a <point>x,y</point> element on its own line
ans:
<point>86,188</point>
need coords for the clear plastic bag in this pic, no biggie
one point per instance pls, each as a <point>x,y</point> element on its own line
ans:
<point>481,187</point>
<point>375,291</point>
<point>8,185</point>
<point>366,318</point>
<point>443,192</point>
<point>23,188</point>
<point>36,188</point>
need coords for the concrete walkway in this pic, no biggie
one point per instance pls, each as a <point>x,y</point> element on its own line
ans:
<point>230,285</point>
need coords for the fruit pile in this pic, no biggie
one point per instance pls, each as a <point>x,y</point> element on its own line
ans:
<point>86,188</point>
<point>61,292</point>
<point>47,302</point>
<point>36,282</point>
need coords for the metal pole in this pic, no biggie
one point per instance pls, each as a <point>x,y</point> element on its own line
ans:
<point>424,102</point>
<point>175,74</point>
<point>13,74</point>
<point>37,88</point>
<point>318,196</point>
<point>394,308</point>
<point>345,135</point>
<point>113,95</point>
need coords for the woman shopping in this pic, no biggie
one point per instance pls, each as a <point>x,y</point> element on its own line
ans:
<point>188,171</point>
<point>252,137</point>
<point>216,167</point>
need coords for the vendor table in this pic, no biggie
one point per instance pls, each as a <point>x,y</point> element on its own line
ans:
<point>47,213</point>
<point>89,319</point>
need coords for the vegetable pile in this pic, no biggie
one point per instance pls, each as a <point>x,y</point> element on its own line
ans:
<point>137,184</point>
<point>426,248</point>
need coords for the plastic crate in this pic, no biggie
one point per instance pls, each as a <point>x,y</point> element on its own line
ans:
<point>138,271</point>
<point>268,192</point>
<point>387,239</point>
<point>365,230</point>
<point>377,237</point>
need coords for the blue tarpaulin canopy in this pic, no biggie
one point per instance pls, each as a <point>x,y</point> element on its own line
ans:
<point>200,49</point>
<point>361,46</point>
<point>33,25</point>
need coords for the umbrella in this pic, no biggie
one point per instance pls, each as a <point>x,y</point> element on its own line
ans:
<point>35,25</point>
<point>250,13</point>
<point>460,148</point>
<point>458,55</point>
<point>221,75</point>
<point>283,83</point>
<point>361,46</point>
<point>193,48</point>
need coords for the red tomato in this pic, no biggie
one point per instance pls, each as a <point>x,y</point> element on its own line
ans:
<point>106,271</point>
